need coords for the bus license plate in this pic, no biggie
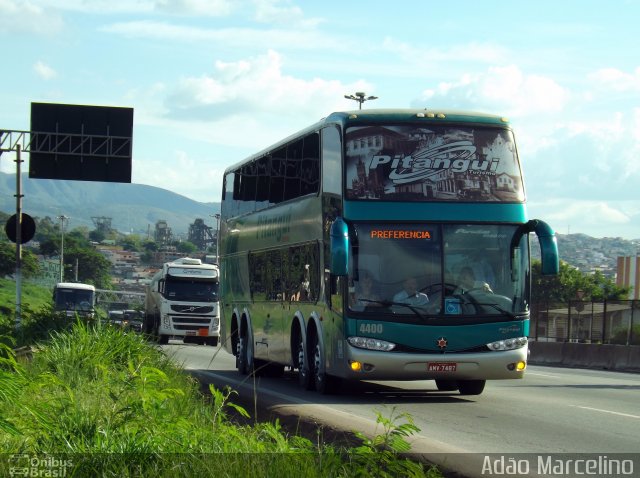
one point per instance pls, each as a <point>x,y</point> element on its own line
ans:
<point>442,367</point>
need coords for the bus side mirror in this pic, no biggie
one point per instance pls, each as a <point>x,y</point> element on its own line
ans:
<point>548,245</point>
<point>339,235</point>
<point>548,248</point>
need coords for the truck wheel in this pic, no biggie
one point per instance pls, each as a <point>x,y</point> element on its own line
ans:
<point>163,339</point>
<point>213,341</point>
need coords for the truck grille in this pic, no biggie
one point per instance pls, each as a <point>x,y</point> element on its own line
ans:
<point>192,309</point>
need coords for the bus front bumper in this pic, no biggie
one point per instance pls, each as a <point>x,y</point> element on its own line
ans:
<point>494,365</point>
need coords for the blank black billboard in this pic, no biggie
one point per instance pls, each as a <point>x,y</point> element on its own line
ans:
<point>80,142</point>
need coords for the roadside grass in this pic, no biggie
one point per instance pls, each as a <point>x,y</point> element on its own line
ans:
<point>36,296</point>
<point>99,402</point>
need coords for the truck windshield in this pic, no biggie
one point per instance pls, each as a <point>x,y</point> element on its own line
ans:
<point>442,270</point>
<point>191,290</point>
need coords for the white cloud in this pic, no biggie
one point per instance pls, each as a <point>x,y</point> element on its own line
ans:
<point>18,16</point>
<point>605,218</point>
<point>475,52</point>
<point>213,8</point>
<point>44,71</point>
<point>289,38</point>
<point>256,85</point>
<point>282,12</point>
<point>505,89</point>
<point>193,177</point>
<point>98,6</point>
<point>616,80</point>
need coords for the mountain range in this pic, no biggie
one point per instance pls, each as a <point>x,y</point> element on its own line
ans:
<point>133,208</point>
<point>136,208</point>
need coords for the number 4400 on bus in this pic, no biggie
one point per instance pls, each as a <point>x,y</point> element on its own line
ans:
<point>381,245</point>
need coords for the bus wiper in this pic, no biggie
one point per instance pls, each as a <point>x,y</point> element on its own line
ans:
<point>413,309</point>
<point>499,309</point>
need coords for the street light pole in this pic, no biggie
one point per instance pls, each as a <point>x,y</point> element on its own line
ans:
<point>217,216</point>
<point>62,218</point>
<point>360,97</point>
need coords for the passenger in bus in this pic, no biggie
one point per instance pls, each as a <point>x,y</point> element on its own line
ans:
<point>365,293</point>
<point>467,282</point>
<point>410,294</point>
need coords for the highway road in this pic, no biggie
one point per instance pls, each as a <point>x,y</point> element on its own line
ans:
<point>550,411</point>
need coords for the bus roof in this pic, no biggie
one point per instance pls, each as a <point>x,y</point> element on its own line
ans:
<point>74,285</point>
<point>384,116</point>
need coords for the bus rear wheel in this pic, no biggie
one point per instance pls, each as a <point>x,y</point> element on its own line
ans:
<point>324,383</point>
<point>245,355</point>
<point>471,387</point>
<point>304,374</point>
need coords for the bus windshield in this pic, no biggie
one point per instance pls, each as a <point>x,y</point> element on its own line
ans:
<point>439,270</point>
<point>73,299</point>
<point>435,163</point>
<point>191,290</point>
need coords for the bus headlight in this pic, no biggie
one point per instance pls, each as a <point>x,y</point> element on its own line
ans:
<point>508,344</point>
<point>371,344</point>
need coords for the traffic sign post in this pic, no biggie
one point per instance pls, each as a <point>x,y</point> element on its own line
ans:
<point>73,142</point>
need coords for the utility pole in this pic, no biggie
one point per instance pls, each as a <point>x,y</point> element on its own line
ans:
<point>62,218</point>
<point>360,97</point>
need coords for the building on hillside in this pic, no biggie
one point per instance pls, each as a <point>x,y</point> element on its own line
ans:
<point>629,275</point>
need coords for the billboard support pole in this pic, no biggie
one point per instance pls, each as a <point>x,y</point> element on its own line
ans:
<point>18,238</point>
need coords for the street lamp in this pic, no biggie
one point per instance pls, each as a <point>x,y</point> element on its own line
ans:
<point>360,97</point>
<point>62,218</point>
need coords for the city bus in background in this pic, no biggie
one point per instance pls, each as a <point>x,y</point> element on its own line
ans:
<point>395,199</point>
<point>74,298</point>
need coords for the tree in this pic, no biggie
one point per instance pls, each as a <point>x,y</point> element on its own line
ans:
<point>30,266</point>
<point>93,267</point>
<point>564,287</point>
<point>186,247</point>
<point>97,235</point>
<point>131,243</point>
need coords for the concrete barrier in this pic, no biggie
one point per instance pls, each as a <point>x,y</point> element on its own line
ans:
<point>620,358</point>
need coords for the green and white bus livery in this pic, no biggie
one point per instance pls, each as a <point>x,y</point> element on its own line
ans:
<point>381,245</point>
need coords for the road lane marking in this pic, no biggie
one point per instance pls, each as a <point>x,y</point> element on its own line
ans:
<point>607,411</point>
<point>542,375</point>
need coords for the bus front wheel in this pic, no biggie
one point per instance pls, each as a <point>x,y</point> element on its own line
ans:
<point>471,387</point>
<point>446,385</point>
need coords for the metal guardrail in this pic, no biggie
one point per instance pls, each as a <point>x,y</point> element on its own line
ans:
<point>607,322</point>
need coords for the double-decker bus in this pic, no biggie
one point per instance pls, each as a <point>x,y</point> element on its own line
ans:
<point>381,245</point>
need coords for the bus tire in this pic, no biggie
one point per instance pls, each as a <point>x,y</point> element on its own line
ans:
<point>245,355</point>
<point>324,383</point>
<point>471,387</point>
<point>213,341</point>
<point>163,339</point>
<point>446,385</point>
<point>304,374</point>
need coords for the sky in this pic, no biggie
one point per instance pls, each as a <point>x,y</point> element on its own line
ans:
<point>213,81</point>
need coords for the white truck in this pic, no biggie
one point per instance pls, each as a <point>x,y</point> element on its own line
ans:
<point>74,298</point>
<point>182,301</point>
